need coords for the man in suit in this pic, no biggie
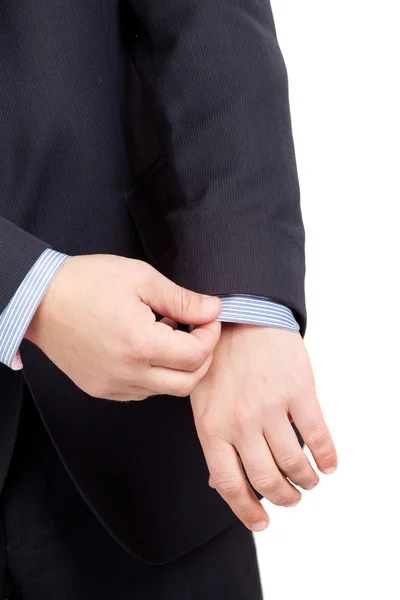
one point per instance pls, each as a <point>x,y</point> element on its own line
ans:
<point>151,249</point>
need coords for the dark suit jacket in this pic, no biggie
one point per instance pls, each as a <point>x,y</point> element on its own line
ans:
<point>156,130</point>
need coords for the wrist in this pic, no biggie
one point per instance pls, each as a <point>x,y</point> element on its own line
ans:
<point>228,327</point>
<point>32,333</point>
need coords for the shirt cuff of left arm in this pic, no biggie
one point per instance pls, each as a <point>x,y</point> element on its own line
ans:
<point>256,310</point>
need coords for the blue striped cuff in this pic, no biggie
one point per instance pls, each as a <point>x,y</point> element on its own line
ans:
<point>256,310</point>
<point>16,317</point>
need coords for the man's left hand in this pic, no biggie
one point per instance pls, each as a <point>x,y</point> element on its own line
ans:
<point>259,382</point>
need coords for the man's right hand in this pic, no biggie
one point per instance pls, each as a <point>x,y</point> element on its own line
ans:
<point>97,325</point>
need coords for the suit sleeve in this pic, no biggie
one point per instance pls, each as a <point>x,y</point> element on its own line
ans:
<point>19,251</point>
<point>214,73</point>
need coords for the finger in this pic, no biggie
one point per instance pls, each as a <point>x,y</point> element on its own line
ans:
<point>176,302</point>
<point>315,433</point>
<point>175,349</point>
<point>287,452</point>
<point>264,474</point>
<point>175,383</point>
<point>170,322</point>
<point>133,393</point>
<point>227,477</point>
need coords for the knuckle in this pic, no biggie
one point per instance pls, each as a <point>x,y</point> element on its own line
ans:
<point>183,299</point>
<point>280,495</point>
<point>291,462</point>
<point>196,361</point>
<point>272,488</point>
<point>268,484</point>
<point>128,355</point>
<point>249,514</point>
<point>246,423</point>
<point>328,457</point>
<point>209,425</point>
<point>130,350</point>
<point>184,389</point>
<point>228,486</point>
<point>316,437</point>
<point>143,351</point>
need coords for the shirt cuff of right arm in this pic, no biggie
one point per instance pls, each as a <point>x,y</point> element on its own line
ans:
<point>16,317</point>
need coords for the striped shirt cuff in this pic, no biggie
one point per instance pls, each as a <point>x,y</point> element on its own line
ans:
<point>16,317</point>
<point>256,310</point>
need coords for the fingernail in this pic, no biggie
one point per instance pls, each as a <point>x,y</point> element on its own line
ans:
<point>209,305</point>
<point>329,470</point>
<point>259,526</point>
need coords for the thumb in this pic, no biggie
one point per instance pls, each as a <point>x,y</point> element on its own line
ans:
<point>171,300</point>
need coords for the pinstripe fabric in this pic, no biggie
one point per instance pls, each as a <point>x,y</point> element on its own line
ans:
<point>16,317</point>
<point>246,309</point>
<point>255,310</point>
<point>96,93</point>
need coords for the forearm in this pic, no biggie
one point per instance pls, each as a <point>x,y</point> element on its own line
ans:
<point>216,77</point>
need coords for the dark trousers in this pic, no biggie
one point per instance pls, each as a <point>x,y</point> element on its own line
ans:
<point>54,548</point>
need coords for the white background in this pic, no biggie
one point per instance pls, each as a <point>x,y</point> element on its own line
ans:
<point>343,57</point>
